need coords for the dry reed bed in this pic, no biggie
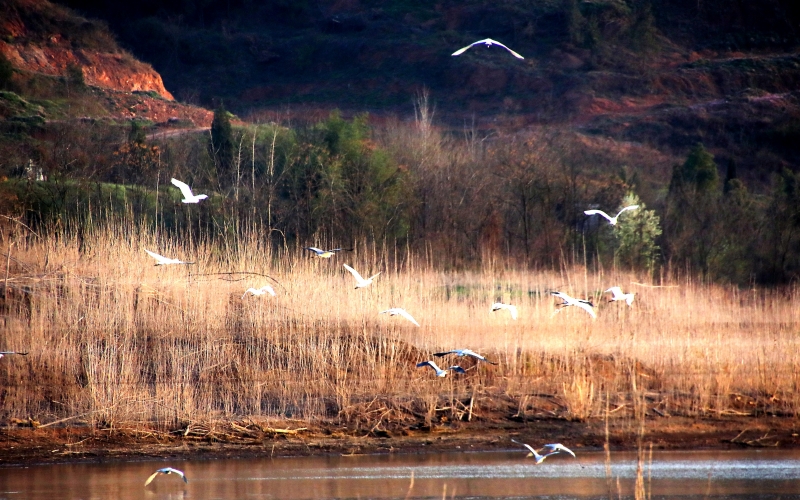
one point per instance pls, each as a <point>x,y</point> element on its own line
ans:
<point>118,341</point>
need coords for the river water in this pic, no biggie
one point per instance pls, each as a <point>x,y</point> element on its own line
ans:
<point>746,474</point>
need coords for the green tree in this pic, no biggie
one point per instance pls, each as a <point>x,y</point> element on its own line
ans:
<point>692,218</point>
<point>636,234</point>
<point>221,145</point>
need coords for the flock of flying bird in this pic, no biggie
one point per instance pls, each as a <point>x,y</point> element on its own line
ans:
<point>361,282</point>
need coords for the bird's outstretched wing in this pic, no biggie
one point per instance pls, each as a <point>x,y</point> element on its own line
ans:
<point>599,212</point>
<point>355,273</point>
<point>152,476</point>
<point>159,258</point>
<point>185,189</point>
<point>431,364</point>
<point>529,447</point>
<point>457,369</point>
<point>552,449</point>
<point>631,207</point>
<point>404,313</point>
<point>495,42</point>
<point>586,306</point>
<point>315,250</point>
<point>464,49</point>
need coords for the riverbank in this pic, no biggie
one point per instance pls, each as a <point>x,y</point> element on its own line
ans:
<point>27,445</point>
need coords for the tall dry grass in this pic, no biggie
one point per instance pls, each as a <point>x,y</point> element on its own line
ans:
<point>117,341</point>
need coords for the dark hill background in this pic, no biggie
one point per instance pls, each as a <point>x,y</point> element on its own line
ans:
<point>666,73</point>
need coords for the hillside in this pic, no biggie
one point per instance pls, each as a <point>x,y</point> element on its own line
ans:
<point>66,66</point>
<point>663,73</point>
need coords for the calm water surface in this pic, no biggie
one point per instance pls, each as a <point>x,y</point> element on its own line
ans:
<point>749,474</point>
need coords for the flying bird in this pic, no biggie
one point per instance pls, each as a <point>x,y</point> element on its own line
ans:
<point>611,220</point>
<point>3,353</point>
<point>326,254</point>
<point>540,458</point>
<point>260,291</point>
<point>618,295</point>
<point>512,309</point>
<point>188,196</point>
<point>569,301</point>
<point>394,311</point>
<point>164,261</point>
<point>439,371</point>
<point>360,282</point>
<point>464,352</point>
<point>488,42</point>
<point>167,471</point>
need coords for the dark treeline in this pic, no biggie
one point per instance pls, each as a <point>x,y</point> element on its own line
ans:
<point>461,198</point>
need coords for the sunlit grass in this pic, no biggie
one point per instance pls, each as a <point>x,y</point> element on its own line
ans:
<point>121,342</point>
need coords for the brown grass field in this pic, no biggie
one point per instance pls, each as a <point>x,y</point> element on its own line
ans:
<point>116,342</point>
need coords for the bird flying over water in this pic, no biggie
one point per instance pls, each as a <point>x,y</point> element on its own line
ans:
<point>611,220</point>
<point>360,282</point>
<point>3,353</point>
<point>569,301</point>
<point>439,371</point>
<point>618,295</point>
<point>167,471</point>
<point>553,449</point>
<point>488,42</point>
<point>326,254</point>
<point>188,196</point>
<point>464,352</point>
<point>260,291</point>
<point>511,309</point>
<point>400,311</point>
<point>164,261</point>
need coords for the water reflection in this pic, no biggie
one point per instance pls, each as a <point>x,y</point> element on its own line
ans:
<point>740,474</point>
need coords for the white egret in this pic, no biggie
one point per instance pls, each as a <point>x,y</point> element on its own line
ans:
<point>464,352</point>
<point>611,220</point>
<point>511,309</point>
<point>394,311</point>
<point>3,353</point>
<point>360,282</point>
<point>569,301</point>
<point>188,196</point>
<point>439,371</point>
<point>164,261</point>
<point>540,458</point>
<point>488,42</point>
<point>260,291</point>
<point>618,295</point>
<point>167,471</point>
<point>325,254</point>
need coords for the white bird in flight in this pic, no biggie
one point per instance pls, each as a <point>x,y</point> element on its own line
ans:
<point>361,282</point>
<point>3,353</point>
<point>512,309</point>
<point>611,220</point>
<point>260,291</point>
<point>163,261</point>
<point>553,450</point>
<point>464,352</point>
<point>618,295</point>
<point>325,254</point>
<point>394,311</point>
<point>188,196</point>
<point>439,371</point>
<point>569,301</point>
<point>488,42</point>
<point>167,471</point>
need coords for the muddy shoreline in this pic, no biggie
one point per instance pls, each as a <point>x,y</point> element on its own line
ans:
<point>75,444</point>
